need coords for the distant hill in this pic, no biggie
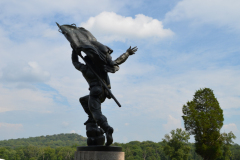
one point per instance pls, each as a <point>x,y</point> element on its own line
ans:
<point>53,141</point>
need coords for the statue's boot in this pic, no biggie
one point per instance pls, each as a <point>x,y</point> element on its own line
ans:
<point>109,137</point>
<point>109,131</point>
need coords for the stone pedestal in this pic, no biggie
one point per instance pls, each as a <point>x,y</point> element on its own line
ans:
<point>99,153</point>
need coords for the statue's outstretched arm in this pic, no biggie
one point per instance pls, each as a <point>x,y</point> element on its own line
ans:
<point>121,59</point>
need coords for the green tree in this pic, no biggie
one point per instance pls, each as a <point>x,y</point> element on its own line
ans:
<point>12,154</point>
<point>66,153</point>
<point>4,153</point>
<point>175,144</point>
<point>227,139</point>
<point>31,152</point>
<point>19,154</point>
<point>235,150</point>
<point>203,118</point>
<point>49,153</point>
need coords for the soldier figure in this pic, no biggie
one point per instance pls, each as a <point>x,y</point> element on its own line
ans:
<point>98,63</point>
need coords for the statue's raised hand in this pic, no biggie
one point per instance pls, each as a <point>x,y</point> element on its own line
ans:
<point>132,51</point>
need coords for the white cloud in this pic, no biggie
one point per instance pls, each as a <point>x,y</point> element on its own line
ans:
<point>126,124</point>
<point>27,99</point>
<point>112,27</point>
<point>217,12</point>
<point>65,124</point>
<point>24,73</point>
<point>73,131</point>
<point>4,126</point>
<point>230,127</point>
<point>172,123</point>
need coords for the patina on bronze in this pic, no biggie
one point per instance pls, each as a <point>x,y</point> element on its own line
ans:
<point>98,62</point>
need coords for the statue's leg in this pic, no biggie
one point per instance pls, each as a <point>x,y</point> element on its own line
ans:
<point>94,134</point>
<point>97,96</point>
<point>84,103</point>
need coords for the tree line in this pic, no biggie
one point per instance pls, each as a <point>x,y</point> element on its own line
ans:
<point>134,150</point>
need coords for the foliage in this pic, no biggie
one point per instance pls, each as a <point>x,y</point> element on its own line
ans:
<point>193,155</point>
<point>134,150</point>
<point>235,151</point>
<point>53,141</point>
<point>175,144</point>
<point>203,118</point>
<point>227,139</point>
<point>37,153</point>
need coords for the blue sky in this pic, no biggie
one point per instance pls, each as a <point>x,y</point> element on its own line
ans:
<point>183,46</point>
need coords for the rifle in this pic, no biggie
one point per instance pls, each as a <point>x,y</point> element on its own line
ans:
<point>104,85</point>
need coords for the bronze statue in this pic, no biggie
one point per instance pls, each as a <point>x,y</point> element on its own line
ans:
<point>98,63</point>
